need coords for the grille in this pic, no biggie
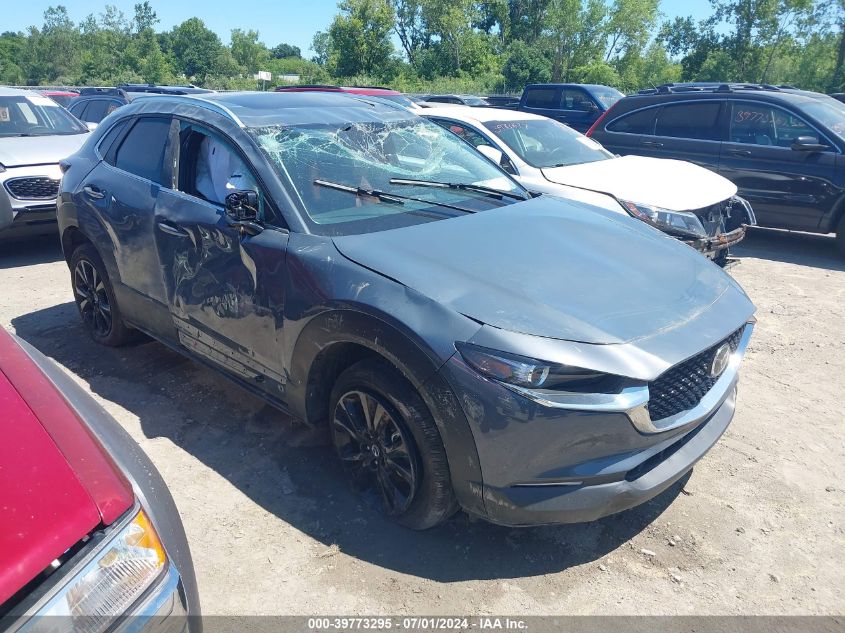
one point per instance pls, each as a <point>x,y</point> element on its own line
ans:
<point>683,386</point>
<point>33,188</point>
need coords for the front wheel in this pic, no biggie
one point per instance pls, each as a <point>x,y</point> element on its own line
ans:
<point>389,445</point>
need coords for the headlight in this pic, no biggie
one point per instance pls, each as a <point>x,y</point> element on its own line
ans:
<point>527,372</point>
<point>666,220</point>
<point>109,585</point>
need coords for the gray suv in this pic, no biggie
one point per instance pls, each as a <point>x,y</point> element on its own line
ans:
<point>467,345</point>
<point>35,134</point>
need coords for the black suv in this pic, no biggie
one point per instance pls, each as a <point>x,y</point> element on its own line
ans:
<point>94,104</point>
<point>782,147</point>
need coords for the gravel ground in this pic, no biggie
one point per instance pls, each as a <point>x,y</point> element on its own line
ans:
<point>757,528</point>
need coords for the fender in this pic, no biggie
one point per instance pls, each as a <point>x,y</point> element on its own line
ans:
<point>418,365</point>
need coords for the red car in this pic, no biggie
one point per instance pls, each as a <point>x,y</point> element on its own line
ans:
<point>62,97</point>
<point>367,91</point>
<point>88,528</point>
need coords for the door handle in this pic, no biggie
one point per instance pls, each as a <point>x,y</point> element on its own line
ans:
<point>740,152</point>
<point>94,192</point>
<point>652,144</point>
<point>171,229</point>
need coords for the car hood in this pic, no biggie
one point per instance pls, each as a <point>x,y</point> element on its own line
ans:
<point>676,185</point>
<point>18,151</point>
<point>552,268</point>
<point>45,507</point>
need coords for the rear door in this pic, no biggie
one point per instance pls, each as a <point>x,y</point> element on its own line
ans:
<point>542,100</point>
<point>625,134</point>
<point>123,191</point>
<point>225,287</point>
<point>787,188</point>
<point>688,130</point>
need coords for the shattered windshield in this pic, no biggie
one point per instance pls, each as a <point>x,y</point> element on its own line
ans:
<point>374,175</point>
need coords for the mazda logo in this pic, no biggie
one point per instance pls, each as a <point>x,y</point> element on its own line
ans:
<point>720,360</point>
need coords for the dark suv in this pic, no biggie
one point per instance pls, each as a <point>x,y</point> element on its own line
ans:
<point>372,273</point>
<point>783,148</point>
<point>94,104</point>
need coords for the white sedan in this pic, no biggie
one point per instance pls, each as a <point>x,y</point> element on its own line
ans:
<point>686,201</point>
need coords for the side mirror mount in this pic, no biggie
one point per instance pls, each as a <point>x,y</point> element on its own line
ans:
<point>242,206</point>
<point>808,144</point>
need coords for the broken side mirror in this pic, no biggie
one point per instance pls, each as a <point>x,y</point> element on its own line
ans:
<point>242,205</point>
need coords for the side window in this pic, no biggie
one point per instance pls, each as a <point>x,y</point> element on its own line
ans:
<point>698,121</point>
<point>77,108</point>
<point>766,125</point>
<point>210,168</point>
<point>541,98</point>
<point>142,151</point>
<point>470,135</point>
<point>96,111</point>
<point>638,122</point>
<point>576,100</point>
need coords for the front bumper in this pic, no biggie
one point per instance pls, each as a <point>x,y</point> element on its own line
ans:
<point>27,217</point>
<point>568,458</point>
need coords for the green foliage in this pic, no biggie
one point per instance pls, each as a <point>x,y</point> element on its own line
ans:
<point>463,46</point>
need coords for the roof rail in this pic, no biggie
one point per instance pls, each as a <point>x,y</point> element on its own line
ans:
<point>315,86</point>
<point>707,86</point>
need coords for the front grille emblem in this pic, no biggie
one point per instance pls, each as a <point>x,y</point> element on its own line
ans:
<point>720,360</point>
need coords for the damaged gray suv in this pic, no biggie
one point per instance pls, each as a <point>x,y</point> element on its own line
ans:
<point>468,345</point>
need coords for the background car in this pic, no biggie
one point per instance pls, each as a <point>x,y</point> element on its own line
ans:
<point>62,97</point>
<point>88,530</point>
<point>94,104</point>
<point>576,105</point>
<point>373,275</point>
<point>466,100</point>
<point>782,149</point>
<point>366,91</point>
<point>35,134</point>
<point>684,200</point>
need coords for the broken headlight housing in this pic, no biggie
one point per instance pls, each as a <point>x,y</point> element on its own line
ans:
<point>683,222</point>
<point>528,373</point>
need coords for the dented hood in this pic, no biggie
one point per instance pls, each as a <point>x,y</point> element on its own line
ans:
<point>672,184</point>
<point>547,268</point>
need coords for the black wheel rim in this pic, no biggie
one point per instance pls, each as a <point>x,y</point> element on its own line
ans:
<point>91,297</point>
<point>376,449</point>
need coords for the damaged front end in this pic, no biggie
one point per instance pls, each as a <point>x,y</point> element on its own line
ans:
<point>711,230</point>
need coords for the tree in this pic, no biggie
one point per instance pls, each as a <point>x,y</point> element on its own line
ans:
<point>525,64</point>
<point>196,49</point>
<point>145,18</point>
<point>247,51</point>
<point>283,51</point>
<point>575,33</point>
<point>359,38</point>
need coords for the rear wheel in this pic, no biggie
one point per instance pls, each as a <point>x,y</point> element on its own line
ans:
<point>840,236</point>
<point>95,299</point>
<point>389,445</point>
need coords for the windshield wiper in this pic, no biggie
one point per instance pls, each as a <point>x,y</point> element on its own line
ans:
<point>393,198</point>
<point>488,191</point>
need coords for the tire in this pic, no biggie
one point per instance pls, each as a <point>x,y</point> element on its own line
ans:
<point>98,308</point>
<point>840,236</point>
<point>396,439</point>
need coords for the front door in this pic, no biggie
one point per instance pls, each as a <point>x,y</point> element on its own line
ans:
<point>787,188</point>
<point>225,286</point>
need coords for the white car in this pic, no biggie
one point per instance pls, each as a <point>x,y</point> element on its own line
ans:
<point>684,200</point>
<point>35,134</point>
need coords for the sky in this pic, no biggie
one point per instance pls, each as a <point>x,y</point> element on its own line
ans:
<point>291,21</point>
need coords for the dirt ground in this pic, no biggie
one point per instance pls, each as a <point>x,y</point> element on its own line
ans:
<point>757,528</point>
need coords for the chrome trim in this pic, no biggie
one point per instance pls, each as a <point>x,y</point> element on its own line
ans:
<point>32,177</point>
<point>752,217</point>
<point>712,399</point>
<point>633,401</point>
<point>627,399</point>
<point>540,484</point>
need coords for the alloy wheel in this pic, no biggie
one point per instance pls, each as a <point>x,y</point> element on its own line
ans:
<point>376,449</point>
<point>91,297</point>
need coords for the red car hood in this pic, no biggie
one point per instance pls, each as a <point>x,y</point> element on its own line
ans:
<point>56,483</point>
